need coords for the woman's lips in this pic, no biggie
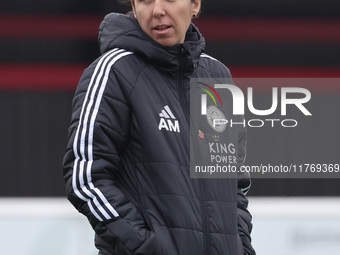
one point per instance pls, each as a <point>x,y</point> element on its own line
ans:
<point>162,29</point>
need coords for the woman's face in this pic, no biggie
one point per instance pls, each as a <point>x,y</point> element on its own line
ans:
<point>165,21</point>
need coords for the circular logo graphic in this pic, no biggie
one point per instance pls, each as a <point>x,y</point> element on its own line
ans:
<point>216,119</point>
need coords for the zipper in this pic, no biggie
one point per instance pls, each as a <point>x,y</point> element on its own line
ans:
<point>205,220</point>
<point>180,77</point>
<point>201,185</point>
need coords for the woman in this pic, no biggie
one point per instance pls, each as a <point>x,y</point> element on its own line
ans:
<point>127,163</point>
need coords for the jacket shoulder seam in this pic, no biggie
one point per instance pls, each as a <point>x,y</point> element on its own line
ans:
<point>134,82</point>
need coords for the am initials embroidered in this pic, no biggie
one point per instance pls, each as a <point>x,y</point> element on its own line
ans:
<point>168,120</point>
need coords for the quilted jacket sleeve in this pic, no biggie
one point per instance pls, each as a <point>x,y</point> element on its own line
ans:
<point>97,137</point>
<point>244,217</point>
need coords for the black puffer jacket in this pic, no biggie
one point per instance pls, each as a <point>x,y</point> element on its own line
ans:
<point>127,162</point>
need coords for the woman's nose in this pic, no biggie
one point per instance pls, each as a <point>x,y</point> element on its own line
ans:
<point>158,8</point>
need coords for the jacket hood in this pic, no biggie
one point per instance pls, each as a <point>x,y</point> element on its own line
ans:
<point>123,31</point>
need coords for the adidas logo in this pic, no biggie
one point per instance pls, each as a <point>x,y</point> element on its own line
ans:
<point>168,120</point>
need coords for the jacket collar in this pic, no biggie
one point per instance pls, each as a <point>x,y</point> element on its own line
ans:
<point>123,31</point>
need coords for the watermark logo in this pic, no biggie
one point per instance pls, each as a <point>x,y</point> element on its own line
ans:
<point>212,112</point>
<point>204,96</point>
<point>219,122</point>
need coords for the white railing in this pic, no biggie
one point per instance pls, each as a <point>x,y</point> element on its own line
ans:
<point>282,226</point>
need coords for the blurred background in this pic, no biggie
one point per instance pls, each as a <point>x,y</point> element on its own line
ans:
<point>44,47</point>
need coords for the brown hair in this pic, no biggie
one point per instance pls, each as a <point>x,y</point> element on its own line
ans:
<point>128,2</point>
